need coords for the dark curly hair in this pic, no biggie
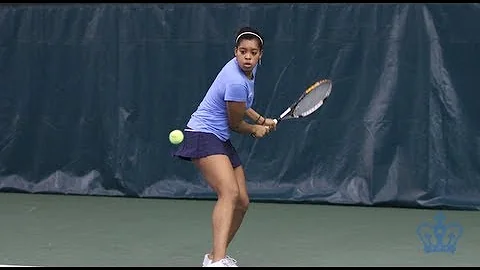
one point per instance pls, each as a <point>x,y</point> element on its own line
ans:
<point>249,33</point>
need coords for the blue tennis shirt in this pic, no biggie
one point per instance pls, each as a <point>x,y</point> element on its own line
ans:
<point>231,84</point>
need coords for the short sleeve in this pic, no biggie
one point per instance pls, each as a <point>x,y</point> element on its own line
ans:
<point>236,92</point>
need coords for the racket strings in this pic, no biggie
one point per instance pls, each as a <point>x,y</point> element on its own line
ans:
<point>314,108</point>
<point>313,100</point>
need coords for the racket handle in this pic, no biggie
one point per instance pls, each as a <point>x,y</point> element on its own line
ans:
<point>276,121</point>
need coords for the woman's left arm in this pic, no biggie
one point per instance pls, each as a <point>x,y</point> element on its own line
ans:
<point>260,119</point>
<point>255,116</point>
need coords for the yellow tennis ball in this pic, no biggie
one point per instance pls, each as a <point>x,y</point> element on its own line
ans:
<point>176,136</point>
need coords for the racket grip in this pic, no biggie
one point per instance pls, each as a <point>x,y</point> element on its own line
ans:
<point>276,121</point>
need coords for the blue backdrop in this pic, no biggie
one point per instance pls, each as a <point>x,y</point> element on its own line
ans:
<point>89,94</point>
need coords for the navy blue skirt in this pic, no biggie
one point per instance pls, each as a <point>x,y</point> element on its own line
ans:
<point>202,144</point>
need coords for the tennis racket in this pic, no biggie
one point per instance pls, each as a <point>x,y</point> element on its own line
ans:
<point>310,100</point>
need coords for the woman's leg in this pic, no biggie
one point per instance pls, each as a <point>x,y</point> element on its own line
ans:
<point>241,205</point>
<point>219,174</point>
<point>242,202</point>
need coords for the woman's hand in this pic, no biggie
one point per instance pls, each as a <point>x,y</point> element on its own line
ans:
<point>270,123</point>
<point>260,131</point>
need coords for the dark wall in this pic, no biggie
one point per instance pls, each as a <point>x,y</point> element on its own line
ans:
<point>89,94</point>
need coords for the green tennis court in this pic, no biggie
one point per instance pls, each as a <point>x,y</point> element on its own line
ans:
<point>58,230</point>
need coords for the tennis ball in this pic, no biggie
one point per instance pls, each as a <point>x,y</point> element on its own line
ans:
<point>176,136</point>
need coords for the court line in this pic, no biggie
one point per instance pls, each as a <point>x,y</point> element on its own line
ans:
<point>15,265</point>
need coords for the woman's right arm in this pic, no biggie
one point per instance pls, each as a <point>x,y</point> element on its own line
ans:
<point>236,112</point>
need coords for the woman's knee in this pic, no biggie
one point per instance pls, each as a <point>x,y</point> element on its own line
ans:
<point>229,192</point>
<point>243,203</point>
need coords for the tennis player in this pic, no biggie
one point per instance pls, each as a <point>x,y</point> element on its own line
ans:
<point>225,108</point>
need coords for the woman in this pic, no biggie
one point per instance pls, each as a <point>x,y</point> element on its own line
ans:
<point>207,140</point>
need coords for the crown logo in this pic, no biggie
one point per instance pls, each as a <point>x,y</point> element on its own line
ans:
<point>439,236</point>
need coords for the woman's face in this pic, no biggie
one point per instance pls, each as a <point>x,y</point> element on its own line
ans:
<point>248,53</point>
